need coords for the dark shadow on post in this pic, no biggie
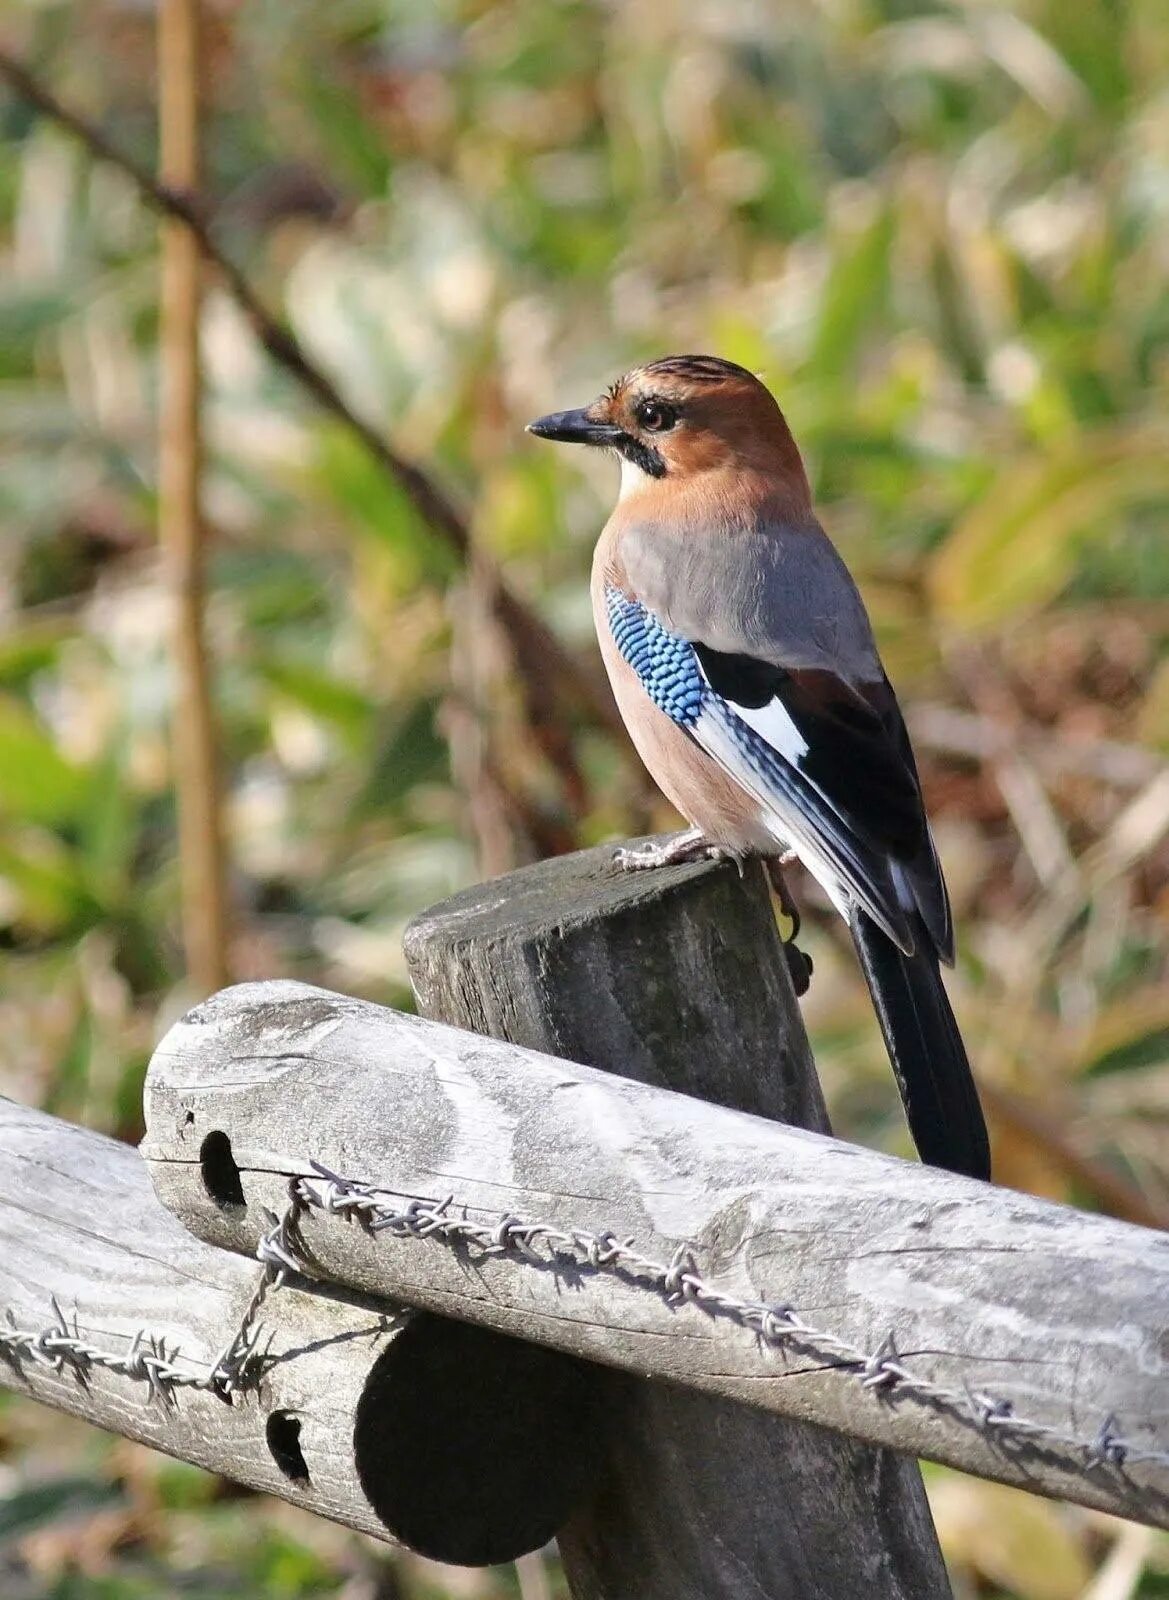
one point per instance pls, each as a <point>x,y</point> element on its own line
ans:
<point>474,1448</point>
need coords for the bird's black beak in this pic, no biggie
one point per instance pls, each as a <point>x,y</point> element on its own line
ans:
<point>575,427</point>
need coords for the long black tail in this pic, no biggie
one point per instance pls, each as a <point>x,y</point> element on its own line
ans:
<point>926,1049</point>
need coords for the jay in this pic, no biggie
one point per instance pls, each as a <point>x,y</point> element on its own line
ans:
<point>744,665</point>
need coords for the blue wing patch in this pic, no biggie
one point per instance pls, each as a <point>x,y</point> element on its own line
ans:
<point>666,665</point>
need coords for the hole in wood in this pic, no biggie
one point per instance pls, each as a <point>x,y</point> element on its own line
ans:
<point>283,1434</point>
<point>221,1176</point>
<point>474,1448</point>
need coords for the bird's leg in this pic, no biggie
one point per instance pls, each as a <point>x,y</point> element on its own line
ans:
<point>693,845</point>
<point>799,963</point>
<point>787,904</point>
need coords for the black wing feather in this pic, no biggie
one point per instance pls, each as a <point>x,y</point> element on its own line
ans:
<point>859,761</point>
<point>851,757</point>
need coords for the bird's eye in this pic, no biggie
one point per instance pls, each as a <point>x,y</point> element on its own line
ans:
<point>655,416</point>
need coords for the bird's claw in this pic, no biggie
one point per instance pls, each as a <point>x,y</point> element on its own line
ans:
<point>799,963</point>
<point>688,846</point>
<point>799,966</point>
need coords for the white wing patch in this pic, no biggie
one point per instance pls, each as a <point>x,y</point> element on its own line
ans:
<point>773,723</point>
<point>789,829</point>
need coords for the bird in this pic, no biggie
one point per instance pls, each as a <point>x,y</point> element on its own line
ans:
<point>743,663</point>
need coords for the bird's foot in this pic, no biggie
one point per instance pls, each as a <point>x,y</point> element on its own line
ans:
<point>693,845</point>
<point>787,904</point>
<point>799,963</point>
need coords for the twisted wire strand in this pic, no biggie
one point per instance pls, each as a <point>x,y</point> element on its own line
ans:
<point>679,1281</point>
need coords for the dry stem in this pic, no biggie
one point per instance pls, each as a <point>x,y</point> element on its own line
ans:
<point>193,732</point>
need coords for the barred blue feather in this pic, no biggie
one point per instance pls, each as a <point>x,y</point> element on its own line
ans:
<point>666,665</point>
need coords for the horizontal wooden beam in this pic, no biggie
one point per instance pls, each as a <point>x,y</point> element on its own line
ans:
<point>379,1418</point>
<point>1002,1334</point>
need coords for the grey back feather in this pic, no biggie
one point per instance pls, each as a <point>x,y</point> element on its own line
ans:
<point>778,593</point>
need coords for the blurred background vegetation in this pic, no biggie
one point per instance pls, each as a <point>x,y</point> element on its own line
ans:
<point>939,231</point>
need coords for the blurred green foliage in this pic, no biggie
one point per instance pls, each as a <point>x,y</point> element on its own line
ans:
<point>940,231</point>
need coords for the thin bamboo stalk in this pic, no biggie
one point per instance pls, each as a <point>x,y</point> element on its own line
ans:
<point>201,845</point>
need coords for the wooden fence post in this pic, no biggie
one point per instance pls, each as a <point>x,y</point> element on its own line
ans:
<point>678,978</point>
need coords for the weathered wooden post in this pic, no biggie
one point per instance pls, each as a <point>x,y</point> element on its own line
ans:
<point>677,978</point>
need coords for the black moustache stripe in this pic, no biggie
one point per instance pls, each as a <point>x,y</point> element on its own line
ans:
<point>643,456</point>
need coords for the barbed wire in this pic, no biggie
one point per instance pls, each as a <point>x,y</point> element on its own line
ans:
<point>679,1281</point>
<point>150,1358</point>
<point>240,1365</point>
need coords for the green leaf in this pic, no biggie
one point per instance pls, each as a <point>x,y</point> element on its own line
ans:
<point>322,695</point>
<point>411,752</point>
<point>108,831</point>
<point>52,894</point>
<point>347,473</point>
<point>1018,548</point>
<point>37,784</point>
<point>854,298</point>
<point>27,650</point>
<point>347,134</point>
<point>518,508</point>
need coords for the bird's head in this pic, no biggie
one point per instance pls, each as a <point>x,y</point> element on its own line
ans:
<point>682,417</point>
